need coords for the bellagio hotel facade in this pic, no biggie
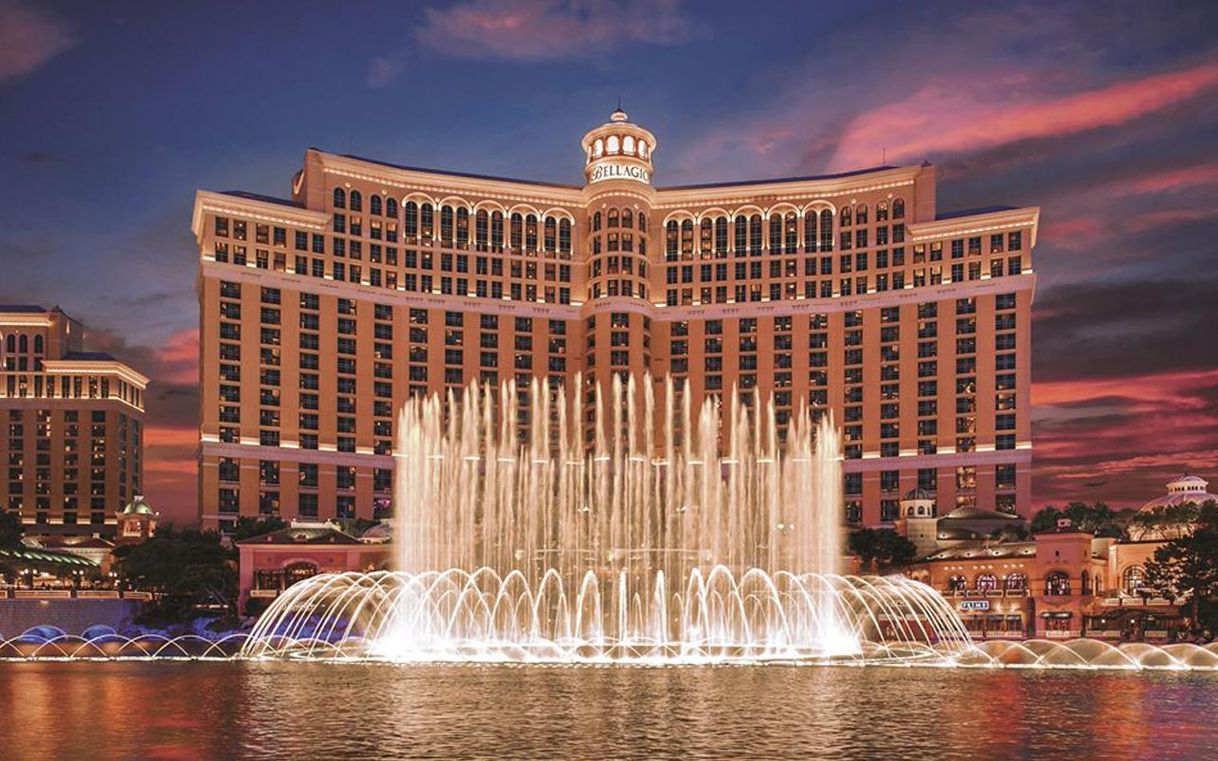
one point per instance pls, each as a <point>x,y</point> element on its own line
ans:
<point>850,293</point>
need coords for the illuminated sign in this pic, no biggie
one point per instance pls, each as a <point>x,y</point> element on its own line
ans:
<point>612,170</point>
<point>974,605</point>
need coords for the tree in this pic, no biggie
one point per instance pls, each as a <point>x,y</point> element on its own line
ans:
<point>1046,518</point>
<point>1015,532</point>
<point>11,530</point>
<point>882,547</point>
<point>184,569</point>
<point>1187,567</point>
<point>1098,519</point>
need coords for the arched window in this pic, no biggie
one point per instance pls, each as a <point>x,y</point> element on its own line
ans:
<point>12,343</point>
<point>826,230</point>
<point>740,235</point>
<point>987,582</point>
<point>755,235</point>
<point>481,229</point>
<point>516,232</point>
<point>628,145</point>
<point>340,198</point>
<point>776,234</point>
<point>23,344</point>
<point>845,217</point>
<point>564,236</point>
<point>38,344</point>
<point>809,231</point>
<point>670,240</point>
<point>706,237</point>
<point>374,204</point>
<point>596,221</point>
<point>1085,586</point>
<point>860,214</point>
<point>881,211</point>
<point>462,227</point>
<point>391,207</point>
<point>1057,583</point>
<point>956,583</point>
<point>357,201</point>
<point>411,223</point>
<point>687,236</point>
<point>613,218</point>
<point>530,232</point>
<point>446,225</point>
<point>642,149</point>
<point>1015,582</point>
<point>427,220</point>
<point>627,218</point>
<point>611,144</point>
<point>497,230</point>
<point>642,222</point>
<point>1133,579</point>
<point>791,232</point>
<point>550,241</point>
<point>898,209</point>
<point>721,236</point>
<point>598,148</point>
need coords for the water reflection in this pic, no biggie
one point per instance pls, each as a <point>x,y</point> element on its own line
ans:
<point>264,710</point>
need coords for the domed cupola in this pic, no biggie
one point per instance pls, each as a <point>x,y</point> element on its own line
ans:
<point>618,150</point>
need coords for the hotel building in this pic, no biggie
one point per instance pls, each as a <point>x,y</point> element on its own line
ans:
<point>74,425</point>
<point>850,293</point>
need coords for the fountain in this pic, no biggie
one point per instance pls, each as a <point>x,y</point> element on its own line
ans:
<point>607,536</point>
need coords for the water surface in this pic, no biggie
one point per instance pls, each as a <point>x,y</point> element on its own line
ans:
<point>57,710</point>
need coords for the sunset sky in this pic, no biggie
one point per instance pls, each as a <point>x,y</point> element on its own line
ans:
<point>114,113</point>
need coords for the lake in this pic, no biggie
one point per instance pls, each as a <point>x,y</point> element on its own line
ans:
<point>217,710</point>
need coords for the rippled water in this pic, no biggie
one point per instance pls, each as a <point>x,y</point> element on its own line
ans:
<point>318,711</point>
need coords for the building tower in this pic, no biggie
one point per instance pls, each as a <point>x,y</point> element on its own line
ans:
<point>618,168</point>
<point>918,521</point>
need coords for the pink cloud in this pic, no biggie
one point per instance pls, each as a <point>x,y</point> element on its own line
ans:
<point>1121,439</point>
<point>28,39</point>
<point>542,30</point>
<point>177,360</point>
<point>973,114</point>
<point>1172,180</point>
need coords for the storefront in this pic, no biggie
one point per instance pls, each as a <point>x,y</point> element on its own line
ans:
<point>993,619</point>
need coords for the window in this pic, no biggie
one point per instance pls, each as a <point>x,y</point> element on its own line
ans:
<point>1057,584</point>
<point>1133,580</point>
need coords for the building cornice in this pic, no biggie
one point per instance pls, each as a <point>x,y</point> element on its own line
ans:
<point>976,224</point>
<point>253,208</point>
<point>444,184</point>
<point>786,190</point>
<point>95,367</point>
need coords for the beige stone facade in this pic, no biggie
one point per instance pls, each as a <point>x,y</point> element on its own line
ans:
<point>850,293</point>
<point>72,445</point>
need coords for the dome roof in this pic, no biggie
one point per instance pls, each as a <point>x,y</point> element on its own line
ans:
<point>1182,490</point>
<point>976,513</point>
<point>917,493</point>
<point>137,506</point>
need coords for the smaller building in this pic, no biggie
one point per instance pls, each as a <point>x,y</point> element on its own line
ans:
<point>272,562</point>
<point>136,522</point>
<point>1170,516</point>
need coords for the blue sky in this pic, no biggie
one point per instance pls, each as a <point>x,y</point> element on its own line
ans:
<point>114,113</point>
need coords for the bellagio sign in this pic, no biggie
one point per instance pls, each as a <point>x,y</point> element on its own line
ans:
<point>612,170</point>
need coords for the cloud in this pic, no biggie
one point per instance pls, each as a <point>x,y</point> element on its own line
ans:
<point>28,39</point>
<point>1084,441</point>
<point>977,112</point>
<point>549,30</point>
<point>1094,329</point>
